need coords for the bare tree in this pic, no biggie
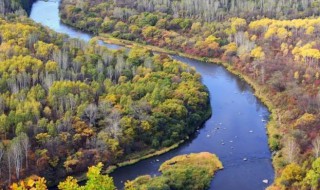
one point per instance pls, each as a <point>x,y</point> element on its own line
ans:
<point>24,141</point>
<point>15,152</point>
<point>110,72</point>
<point>114,127</point>
<point>291,150</point>
<point>91,113</point>
<point>9,160</point>
<point>2,151</point>
<point>316,146</point>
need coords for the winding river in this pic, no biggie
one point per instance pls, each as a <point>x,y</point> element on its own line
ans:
<point>235,132</point>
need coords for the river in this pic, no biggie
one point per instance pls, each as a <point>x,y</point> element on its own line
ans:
<point>236,131</point>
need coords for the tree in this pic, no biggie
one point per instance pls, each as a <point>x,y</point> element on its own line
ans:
<point>313,175</point>
<point>291,174</point>
<point>96,181</point>
<point>24,140</point>
<point>257,53</point>
<point>4,125</point>
<point>316,147</point>
<point>91,113</point>
<point>15,151</point>
<point>2,152</point>
<point>69,184</point>
<point>291,149</point>
<point>150,31</point>
<point>30,183</point>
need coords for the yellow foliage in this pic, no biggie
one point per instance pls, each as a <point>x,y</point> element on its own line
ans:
<point>310,30</point>
<point>31,183</point>
<point>253,38</point>
<point>43,49</point>
<point>111,98</point>
<point>237,23</point>
<point>204,158</point>
<point>51,66</point>
<point>282,33</point>
<point>262,23</point>
<point>257,53</point>
<point>306,51</point>
<point>211,39</point>
<point>231,47</point>
<point>270,32</point>
<point>305,119</point>
<point>296,75</point>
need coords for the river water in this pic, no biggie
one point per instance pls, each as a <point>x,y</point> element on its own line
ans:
<point>235,132</point>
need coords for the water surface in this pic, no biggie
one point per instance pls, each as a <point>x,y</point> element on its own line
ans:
<point>235,132</point>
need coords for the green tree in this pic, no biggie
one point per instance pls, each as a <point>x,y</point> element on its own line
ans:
<point>312,178</point>
<point>95,181</point>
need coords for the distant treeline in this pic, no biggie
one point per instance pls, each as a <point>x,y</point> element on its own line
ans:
<point>7,6</point>
<point>210,10</point>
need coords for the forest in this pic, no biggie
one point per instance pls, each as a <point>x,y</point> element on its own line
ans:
<point>272,44</point>
<point>66,104</point>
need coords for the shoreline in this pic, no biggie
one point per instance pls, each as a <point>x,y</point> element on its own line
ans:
<point>82,177</point>
<point>138,156</point>
<point>257,88</point>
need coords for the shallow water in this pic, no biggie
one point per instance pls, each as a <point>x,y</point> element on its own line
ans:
<point>235,132</point>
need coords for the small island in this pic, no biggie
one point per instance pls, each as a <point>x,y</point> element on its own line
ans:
<point>192,171</point>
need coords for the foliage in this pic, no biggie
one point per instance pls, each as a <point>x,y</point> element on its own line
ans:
<point>81,103</point>
<point>95,181</point>
<point>30,183</point>
<point>189,172</point>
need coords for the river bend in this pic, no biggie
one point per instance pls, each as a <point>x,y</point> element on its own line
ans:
<point>235,132</point>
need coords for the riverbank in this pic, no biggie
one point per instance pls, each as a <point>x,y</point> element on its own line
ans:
<point>137,157</point>
<point>142,155</point>
<point>259,90</point>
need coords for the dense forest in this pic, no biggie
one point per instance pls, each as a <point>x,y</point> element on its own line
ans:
<point>278,55</point>
<point>66,104</point>
<point>209,10</point>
